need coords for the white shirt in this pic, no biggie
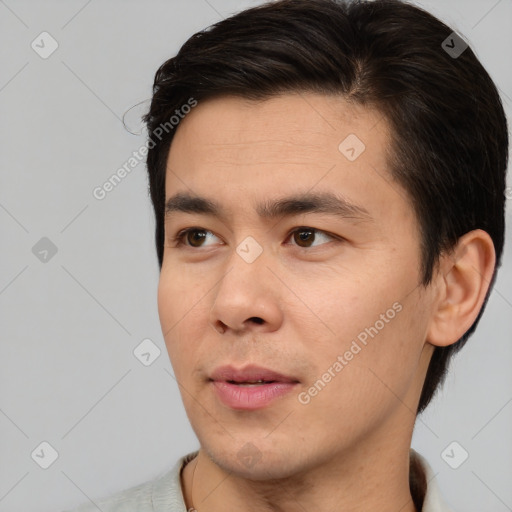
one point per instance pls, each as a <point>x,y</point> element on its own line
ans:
<point>164,493</point>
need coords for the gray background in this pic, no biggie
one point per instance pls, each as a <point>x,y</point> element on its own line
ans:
<point>69,325</point>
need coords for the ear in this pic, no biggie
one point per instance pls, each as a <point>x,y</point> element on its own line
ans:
<point>462,281</point>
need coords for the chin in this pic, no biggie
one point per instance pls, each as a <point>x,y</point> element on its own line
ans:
<point>258,464</point>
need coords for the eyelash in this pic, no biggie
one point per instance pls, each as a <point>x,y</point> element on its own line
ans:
<point>180,236</point>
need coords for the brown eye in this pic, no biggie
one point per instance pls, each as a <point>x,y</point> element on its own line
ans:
<point>192,237</point>
<point>304,236</point>
<point>195,237</point>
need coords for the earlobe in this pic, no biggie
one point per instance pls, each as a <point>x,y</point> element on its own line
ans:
<point>463,280</point>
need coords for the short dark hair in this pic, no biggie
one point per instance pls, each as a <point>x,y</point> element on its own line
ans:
<point>449,131</point>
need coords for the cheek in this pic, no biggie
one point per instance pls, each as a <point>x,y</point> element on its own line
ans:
<point>340,307</point>
<point>183,311</point>
<point>377,328</point>
<point>178,295</point>
<point>167,303</point>
<point>371,379</point>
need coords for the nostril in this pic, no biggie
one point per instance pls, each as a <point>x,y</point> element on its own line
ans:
<point>220,327</point>
<point>257,319</point>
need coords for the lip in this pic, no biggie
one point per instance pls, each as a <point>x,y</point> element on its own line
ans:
<point>240,397</point>
<point>249,373</point>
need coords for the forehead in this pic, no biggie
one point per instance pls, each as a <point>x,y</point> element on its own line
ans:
<point>304,125</point>
<point>288,144</point>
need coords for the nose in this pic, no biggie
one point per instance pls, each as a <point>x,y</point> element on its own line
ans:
<point>247,297</point>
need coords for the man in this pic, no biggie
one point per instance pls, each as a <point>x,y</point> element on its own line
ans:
<point>328,182</point>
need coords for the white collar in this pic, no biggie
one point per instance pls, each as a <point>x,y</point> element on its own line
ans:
<point>433,501</point>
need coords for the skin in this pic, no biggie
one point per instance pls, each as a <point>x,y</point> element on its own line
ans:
<point>348,448</point>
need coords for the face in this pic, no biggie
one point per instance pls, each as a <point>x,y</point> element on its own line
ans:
<point>322,289</point>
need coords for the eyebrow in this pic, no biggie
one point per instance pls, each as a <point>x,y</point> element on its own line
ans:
<point>324,202</point>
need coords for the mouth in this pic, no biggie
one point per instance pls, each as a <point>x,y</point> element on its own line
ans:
<point>251,384</point>
<point>250,388</point>
<point>251,375</point>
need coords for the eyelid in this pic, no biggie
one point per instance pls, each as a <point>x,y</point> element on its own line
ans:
<point>316,230</point>
<point>180,236</point>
